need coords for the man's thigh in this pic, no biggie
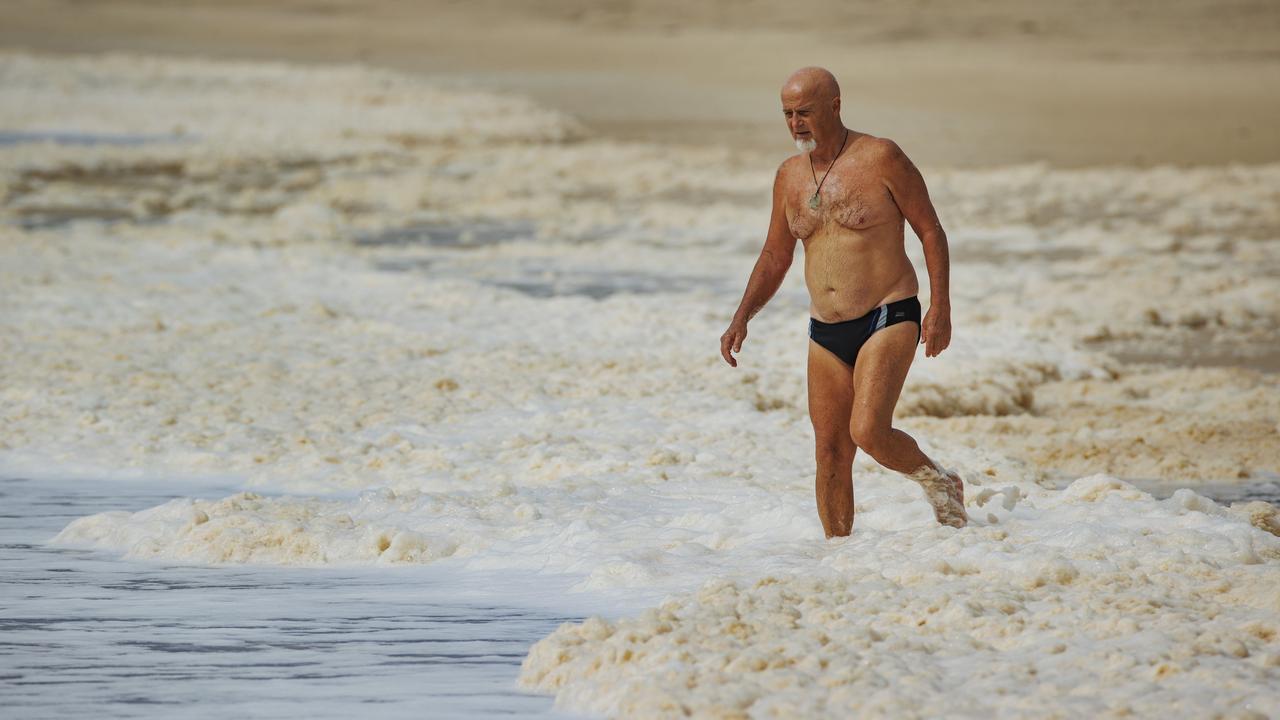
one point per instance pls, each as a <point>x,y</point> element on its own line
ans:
<point>879,374</point>
<point>830,396</point>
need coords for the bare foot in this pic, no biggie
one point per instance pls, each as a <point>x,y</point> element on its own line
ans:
<point>957,496</point>
<point>945,492</point>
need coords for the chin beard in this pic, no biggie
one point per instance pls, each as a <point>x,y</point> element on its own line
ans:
<point>808,145</point>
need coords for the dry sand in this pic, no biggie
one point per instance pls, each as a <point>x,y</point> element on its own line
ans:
<point>961,84</point>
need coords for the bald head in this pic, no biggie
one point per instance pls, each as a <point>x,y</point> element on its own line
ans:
<point>811,105</point>
<point>816,82</point>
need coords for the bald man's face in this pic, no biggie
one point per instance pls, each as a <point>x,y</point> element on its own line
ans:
<point>811,117</point>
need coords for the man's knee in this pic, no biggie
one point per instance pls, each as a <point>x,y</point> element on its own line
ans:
<point>834,450</point>
<point>869,436</point>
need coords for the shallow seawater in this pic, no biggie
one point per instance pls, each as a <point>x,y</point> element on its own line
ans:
<point>88,633</point>
<point>1224,493</point>
<point>1265,487</point>
<point>16,137</point>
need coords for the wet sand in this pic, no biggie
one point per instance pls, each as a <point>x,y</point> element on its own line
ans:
<point>957,84</point>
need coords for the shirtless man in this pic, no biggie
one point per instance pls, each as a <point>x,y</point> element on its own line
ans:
<point>845,197</point>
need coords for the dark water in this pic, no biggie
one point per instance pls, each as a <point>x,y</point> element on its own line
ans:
<point>21,137</point>
<point>85,634</point>
<point>1267,489</point>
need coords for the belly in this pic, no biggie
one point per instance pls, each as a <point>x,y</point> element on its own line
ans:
<point>849,273</point>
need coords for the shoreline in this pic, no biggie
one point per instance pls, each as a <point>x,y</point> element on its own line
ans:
<point>154,638</point>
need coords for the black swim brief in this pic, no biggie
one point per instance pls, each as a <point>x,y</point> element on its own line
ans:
<point>845,339</point>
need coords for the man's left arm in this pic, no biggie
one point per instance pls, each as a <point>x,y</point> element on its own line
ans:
<point>907,187</point>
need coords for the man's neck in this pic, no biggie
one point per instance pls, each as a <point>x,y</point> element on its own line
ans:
<point>826,153</point>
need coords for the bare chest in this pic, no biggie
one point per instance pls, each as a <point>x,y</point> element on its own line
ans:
<point>850,200</point>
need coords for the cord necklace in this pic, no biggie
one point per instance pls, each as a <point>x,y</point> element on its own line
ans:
<point>816,200</point>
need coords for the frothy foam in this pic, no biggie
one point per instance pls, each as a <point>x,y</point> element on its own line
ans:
<point>1063,595</point>
<point>532,381</point>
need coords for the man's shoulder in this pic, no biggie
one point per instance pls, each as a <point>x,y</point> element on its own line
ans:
<point>790,166</point>
<point>791,163</point>
<point>883,156</point>
<point>881,148</point>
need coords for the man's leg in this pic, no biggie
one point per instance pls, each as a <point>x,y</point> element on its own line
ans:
<point>877,382</point>
<point>830,398</point>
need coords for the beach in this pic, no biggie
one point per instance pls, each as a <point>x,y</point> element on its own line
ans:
<point>443,325</point>
<point>1190,82</point>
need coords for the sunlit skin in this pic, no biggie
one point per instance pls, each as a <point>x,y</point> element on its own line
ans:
<point>854,261</point>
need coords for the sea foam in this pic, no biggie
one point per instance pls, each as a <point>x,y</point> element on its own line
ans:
<point>426,325</point>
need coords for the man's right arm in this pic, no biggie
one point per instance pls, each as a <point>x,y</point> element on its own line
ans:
<point>770,269</point>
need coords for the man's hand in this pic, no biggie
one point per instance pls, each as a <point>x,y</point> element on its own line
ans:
<point>731,341</point>
<point>935,331</point>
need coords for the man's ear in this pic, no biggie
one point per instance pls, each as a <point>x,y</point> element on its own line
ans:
<point>835,105</point>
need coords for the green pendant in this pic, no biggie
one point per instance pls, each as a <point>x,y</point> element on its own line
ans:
<point>813,201</point>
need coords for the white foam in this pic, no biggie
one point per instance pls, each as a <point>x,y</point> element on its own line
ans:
<point>478,408</point>
<point>1094,601</point>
